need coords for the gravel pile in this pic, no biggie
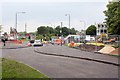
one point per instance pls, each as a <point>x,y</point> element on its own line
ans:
<point>107,49</point>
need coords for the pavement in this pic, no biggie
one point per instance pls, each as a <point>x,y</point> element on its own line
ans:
<point>64,51</point>
<point>12,45</point>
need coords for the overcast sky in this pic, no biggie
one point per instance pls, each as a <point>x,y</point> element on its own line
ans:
<point>52,13</point>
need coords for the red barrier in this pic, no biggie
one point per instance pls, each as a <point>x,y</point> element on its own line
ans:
<point>20,41</point>
<point>16,41</point>
<point>72,44</point>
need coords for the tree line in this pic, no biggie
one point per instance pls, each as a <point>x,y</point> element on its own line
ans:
<point>46,31</point>
<point>113,17</point>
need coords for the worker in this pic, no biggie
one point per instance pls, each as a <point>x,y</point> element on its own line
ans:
<point>3,40</point>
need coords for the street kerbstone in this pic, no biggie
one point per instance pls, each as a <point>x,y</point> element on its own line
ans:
<point>64,51</point>
<point>11,45</point>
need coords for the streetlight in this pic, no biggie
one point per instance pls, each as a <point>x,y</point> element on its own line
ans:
<point>16,18</point>
<point>69,21</point>
<point>16,21</point>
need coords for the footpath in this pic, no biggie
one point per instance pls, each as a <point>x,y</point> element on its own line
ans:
<point>64,51</point>
<point>12,45</point>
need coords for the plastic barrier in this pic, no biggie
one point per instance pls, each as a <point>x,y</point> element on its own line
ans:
<point>20,41</point>
<point>72,44</point>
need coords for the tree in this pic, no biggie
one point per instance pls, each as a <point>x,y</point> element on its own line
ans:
<point>91,30</point>
<point>65,31</point>
<point>50,30</point>
<point>42,30</point>
<point>57,30</point>
<point>73,31</point>
<point>113,17</point>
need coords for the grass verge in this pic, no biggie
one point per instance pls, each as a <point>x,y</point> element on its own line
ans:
<point>24,40</point>
<point>13,69</point>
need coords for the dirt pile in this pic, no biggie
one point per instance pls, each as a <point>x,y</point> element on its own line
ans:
<point>116,51</point>
<point>89,47</point>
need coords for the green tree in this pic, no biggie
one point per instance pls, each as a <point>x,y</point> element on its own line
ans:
<point>50,30</point>
<point>65,31</point>
<point>42,30</point>
<point>73,31</point>
<point>57,30</point>
<point>39,37</point>
<point>113,17</point>
<point>91,30</point>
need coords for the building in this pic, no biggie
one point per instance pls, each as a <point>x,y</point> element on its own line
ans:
<point>101,28</point>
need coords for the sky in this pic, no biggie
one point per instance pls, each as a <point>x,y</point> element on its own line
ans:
<point>51,13</point>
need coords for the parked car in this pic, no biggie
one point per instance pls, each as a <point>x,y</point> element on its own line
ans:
<point>37,43</point>
<point>32,41</point>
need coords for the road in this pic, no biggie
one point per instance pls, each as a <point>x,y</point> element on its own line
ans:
<point>61,67</point>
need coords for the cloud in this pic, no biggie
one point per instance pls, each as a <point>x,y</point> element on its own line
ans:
<point>55,0</point>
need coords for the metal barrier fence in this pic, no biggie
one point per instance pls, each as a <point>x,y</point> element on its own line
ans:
<point>113,40</point>
<point>95,43</point>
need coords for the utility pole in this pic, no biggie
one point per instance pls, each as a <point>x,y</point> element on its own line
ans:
<point>16,15</point>
<point>69,21</point>
<point>61,33</point>
<point>25,28</point>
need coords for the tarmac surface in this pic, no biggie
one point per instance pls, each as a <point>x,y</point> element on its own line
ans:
<point>62,67</point>
<point>65,51</point>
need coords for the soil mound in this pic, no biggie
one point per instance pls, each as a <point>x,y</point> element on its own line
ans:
<point>89,47</point>
<point>116,51</point>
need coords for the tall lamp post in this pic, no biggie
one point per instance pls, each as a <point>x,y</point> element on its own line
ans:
<point>69,21</point>
<point>16,21</point>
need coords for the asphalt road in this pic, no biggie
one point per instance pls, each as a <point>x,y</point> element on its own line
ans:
<point>64,50</point>
<point>60,67</point>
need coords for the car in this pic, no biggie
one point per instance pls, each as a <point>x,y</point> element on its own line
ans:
<point>32,41</point>
<point>37,43</point>
<point>45,42</point>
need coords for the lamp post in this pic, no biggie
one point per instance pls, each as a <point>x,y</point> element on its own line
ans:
<point>16,21</point>
<point>69,21</point>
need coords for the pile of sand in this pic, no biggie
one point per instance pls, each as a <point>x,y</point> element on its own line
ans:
<point>107,49</point>
<point>116,51</point>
